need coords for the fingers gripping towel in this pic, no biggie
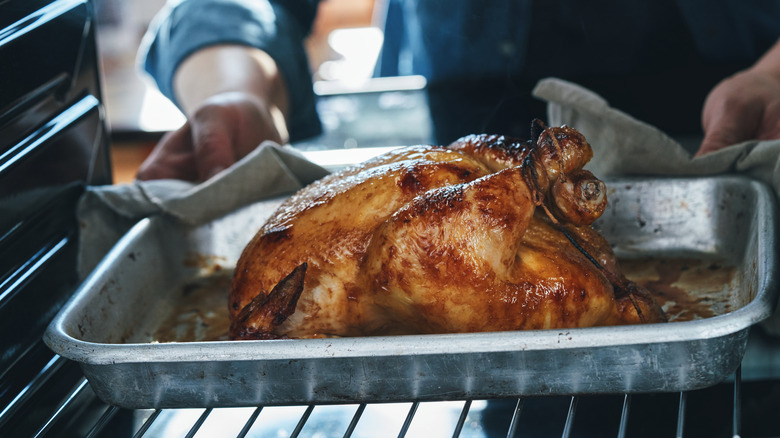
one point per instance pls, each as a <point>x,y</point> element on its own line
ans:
<point>626,146</point>
<point>105,213</point>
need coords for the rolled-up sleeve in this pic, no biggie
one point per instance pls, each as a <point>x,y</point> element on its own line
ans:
<point>279,29</point>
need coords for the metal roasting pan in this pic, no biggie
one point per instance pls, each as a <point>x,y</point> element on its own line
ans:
<point>108,326</point>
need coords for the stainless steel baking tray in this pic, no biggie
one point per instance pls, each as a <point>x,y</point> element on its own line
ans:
<point>707,245</point>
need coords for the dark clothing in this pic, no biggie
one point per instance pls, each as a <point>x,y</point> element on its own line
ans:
<point>654,59</point>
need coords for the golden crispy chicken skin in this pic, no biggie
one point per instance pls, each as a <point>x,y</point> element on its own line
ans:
<point>489,233</point>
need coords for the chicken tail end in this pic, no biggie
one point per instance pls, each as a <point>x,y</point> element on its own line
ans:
<point>259,318</point>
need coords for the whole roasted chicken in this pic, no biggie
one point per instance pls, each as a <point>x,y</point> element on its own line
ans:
<point>487,234</point>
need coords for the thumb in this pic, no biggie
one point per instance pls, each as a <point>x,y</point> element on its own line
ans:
<point>716,139</point>
<point>727,127</point>
<point>213,148</point>
<point>171,158</point>
<point>727,122</point>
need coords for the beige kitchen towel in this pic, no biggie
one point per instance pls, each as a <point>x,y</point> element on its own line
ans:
<point>106,213</point>
<point>626,146</point>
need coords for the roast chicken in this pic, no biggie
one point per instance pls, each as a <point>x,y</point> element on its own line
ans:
<point>489,233</point>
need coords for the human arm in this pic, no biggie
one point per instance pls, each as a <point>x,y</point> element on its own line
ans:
<point>234,98</point>
<point>238,71</point>
<point>744,106</point>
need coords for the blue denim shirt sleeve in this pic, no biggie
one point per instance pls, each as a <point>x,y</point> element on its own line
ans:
<point>278,28</point>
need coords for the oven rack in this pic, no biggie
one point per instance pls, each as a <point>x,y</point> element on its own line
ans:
<point>673,415</point>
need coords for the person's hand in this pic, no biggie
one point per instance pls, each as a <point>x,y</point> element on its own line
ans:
<point>221,131</point>
<point>743,107</point>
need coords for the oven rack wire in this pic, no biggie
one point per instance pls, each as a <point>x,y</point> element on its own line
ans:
<point>468,418</point>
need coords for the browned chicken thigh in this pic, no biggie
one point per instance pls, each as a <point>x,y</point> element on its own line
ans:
<point>489,233</point>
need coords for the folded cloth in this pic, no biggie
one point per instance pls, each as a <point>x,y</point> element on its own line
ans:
<point>626,146</point>
<point>105,213</point>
